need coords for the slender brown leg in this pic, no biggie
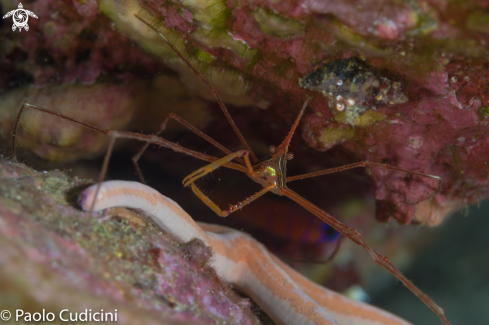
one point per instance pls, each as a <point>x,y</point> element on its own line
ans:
<point>189,126</point>
<point>211,167</point>
<point>128,135</point>
<point>190,179</point>
<point>251,173</point>
<point>14,133</point>
<point>214,91</point>
<point>103,172</point>
<point>231,208</point>
<point>355,237</point>
<point>45,110</point>
<point>365,163</point>
<point>174,146</point>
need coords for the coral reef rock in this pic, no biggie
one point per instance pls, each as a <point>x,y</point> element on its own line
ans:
<point>54,257</point>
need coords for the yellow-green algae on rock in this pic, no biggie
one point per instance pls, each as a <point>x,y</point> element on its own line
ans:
<point>209,30</point>
<point>274,24</point>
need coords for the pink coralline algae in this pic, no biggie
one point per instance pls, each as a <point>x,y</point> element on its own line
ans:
<point>430,124</point>
<point>57,257</point>
<point>431,54</point>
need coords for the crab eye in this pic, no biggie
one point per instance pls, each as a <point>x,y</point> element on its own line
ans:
<point>290,156</point>
<point>272,149</point>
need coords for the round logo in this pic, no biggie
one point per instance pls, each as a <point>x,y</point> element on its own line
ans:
<point>5,315</point>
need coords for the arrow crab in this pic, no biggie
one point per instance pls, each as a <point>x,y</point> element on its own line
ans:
<point>270,172</point>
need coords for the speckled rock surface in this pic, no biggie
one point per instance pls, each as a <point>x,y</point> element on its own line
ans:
<point>54,256</point>
<point>256,52</point>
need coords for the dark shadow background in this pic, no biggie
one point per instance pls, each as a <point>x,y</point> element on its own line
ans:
<point>453,271</point>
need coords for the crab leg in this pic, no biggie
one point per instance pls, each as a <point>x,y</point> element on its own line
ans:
<point>286,296</point>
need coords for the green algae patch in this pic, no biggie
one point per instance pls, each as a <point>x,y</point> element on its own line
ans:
<point>483,112</point>
<point>351,208</point>
<point>353,39</point>
<point>368,118</point>
<point>212,29</point>
<point>275,25</point>
<point>202,56</point>
<point>212,15</point>
<point>209,20</point>
<point>478,21</point>
<point>333,136</point>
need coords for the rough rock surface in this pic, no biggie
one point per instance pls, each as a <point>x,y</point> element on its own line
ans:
<point>57,257</point>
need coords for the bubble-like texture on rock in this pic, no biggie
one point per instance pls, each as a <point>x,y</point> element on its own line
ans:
<point>353,86</point>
